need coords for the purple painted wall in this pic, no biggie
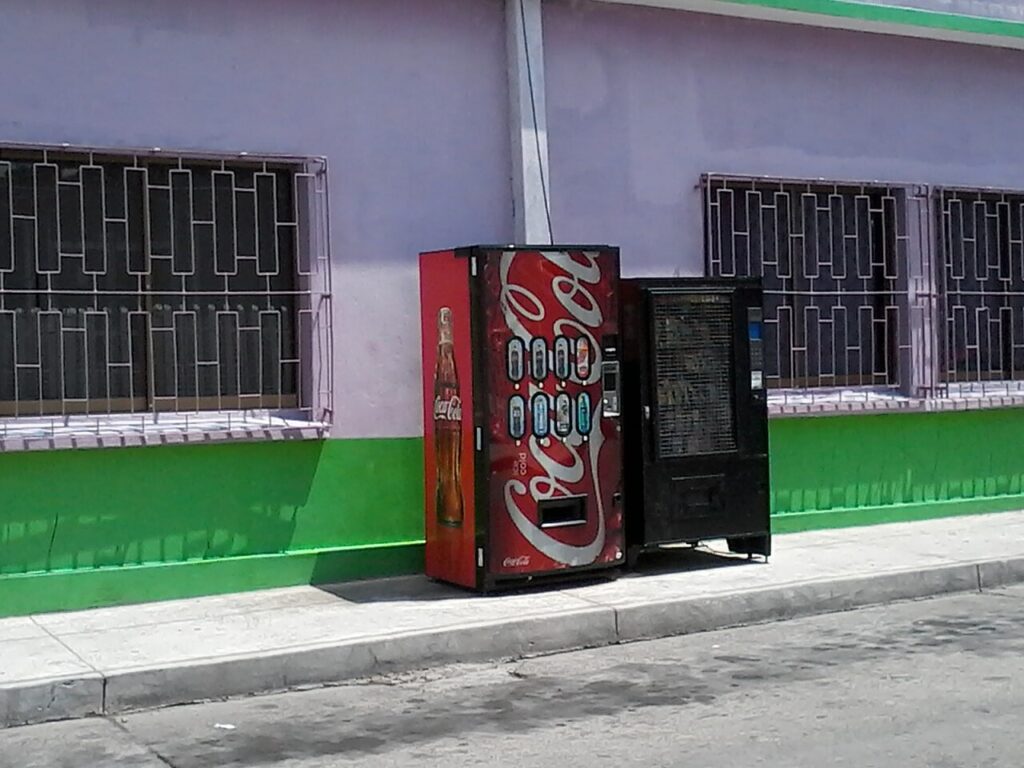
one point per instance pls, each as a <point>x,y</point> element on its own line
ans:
<point>642,101</point>
<point>407,99</point>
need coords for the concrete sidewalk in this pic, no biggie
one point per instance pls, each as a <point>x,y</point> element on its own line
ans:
<point>110,660</point>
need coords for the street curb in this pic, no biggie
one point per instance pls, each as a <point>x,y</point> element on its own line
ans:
<point>310,666</point>
<point>41,700</point>
<point>602,624</point>
<point>1000,573</point>
<point>689,615</point>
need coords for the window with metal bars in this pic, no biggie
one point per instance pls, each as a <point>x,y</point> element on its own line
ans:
<point>982,244</point>
<point>152,283</point>
<point>832,257</point>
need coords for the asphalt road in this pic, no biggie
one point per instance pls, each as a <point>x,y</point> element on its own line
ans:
<point>937,683</point>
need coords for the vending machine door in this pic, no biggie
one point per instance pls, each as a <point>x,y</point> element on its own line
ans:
<point>552,448</point>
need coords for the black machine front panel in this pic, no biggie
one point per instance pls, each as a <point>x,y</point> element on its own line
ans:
<point>694,412</point>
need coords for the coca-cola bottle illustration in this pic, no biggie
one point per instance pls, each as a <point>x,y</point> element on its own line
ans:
<point>447,425</point>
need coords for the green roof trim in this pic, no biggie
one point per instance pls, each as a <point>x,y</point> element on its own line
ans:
<point>894,15</point>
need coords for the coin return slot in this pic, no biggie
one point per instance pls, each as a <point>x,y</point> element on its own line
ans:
<point>559,513</point>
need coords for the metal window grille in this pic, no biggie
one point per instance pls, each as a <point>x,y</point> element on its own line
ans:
<point>981,240</point>
<point>156,286</point>
<point>833,259</point>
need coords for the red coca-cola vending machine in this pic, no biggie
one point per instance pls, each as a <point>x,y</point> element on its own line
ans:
<point>522,454</point>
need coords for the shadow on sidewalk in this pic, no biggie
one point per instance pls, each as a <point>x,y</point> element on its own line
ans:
<point>422,589</point>
<point>674,559</point>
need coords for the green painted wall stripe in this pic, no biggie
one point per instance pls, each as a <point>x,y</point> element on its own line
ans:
<point>897,513</point>
<point>913,17</point>
<point>101,527</point>
<point>852,463</point>
<point>76,590</point>
<point>75,510</point>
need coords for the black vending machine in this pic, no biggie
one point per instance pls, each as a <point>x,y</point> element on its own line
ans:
<point>695,415</point>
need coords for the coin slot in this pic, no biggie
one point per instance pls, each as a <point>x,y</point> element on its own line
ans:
<point>610,387</point>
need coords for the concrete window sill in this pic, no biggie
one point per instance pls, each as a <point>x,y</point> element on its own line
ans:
<point>70,432</point>
<point>838,402</point>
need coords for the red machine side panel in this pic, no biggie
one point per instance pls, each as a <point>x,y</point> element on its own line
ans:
<point>450,523</point>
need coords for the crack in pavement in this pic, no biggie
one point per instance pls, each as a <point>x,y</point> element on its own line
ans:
<point>116,722</point>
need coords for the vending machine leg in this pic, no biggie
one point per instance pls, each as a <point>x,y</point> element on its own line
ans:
<point>751,545</point>
<point>632,555</point>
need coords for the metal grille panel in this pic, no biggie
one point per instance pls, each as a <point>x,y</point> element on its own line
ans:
<point>878,296</point>
<point>693,338</point>
<point>833,262</point>
<point>138,283</point>
<point>982,238</point>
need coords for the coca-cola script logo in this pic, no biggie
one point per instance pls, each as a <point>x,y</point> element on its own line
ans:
<point>572,287</point>
<point>448,410</point>
<point>516,562</point>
